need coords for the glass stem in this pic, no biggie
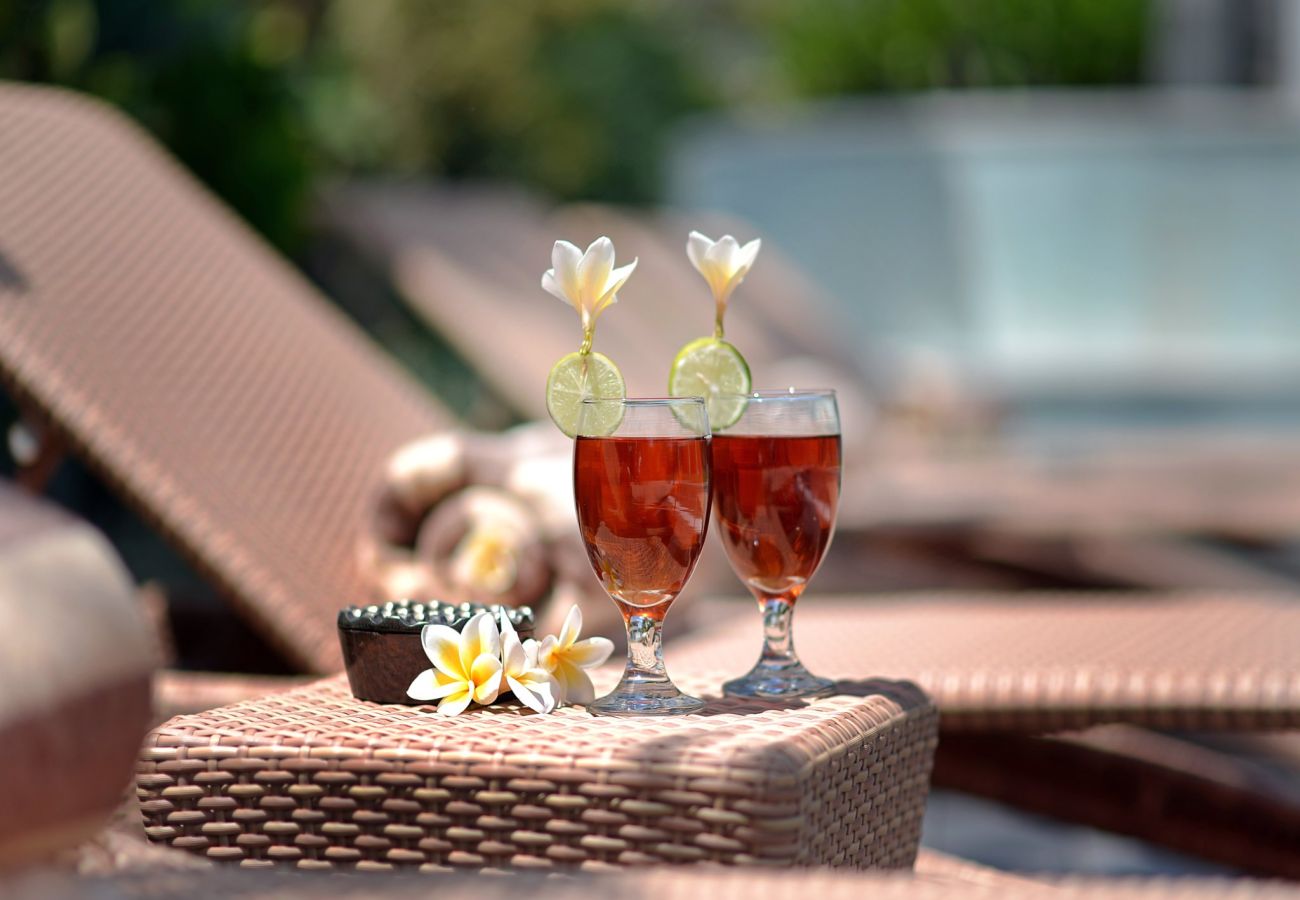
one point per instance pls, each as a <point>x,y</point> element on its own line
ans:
<point>645,654</point>
<point>778,636</point>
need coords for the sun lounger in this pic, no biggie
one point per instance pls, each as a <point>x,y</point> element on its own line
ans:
<point>1036,663</point>
<point>192,367</point>
<point>1157,787</point>
<point>1008,669</point>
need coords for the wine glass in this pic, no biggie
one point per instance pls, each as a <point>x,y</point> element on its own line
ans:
<point>641,484</point>
<point>776,487</point>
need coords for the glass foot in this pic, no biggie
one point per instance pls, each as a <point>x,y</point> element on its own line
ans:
<point>778,683</point>
<point>640,698</point>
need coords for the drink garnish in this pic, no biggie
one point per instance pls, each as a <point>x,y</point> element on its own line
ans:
<point>710,367</point>
<point>576,377</point>
<point>589,283</point>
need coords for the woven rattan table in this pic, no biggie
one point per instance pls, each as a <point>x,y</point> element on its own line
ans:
<point>316,779</point>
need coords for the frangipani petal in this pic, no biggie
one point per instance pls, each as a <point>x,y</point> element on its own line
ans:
<point>479,637</point>
<point>552,286</point>
<point>513,654</point>
<point>617,279</point>
<point>732,284</point>
<point>424,687</point>
<point>546,652</point>
<point>571,628</point>
<point>489,635</point>
<point>591,652</point>
<point>456,703</point>
<point>505,627</point>
<point>537,692</point>
<point>486,676</point>
<point>525,695</point>
<point>565,258</point>
<point>442,646</point>
<point>697,248</point>
<point>743,260</point>
<point>595,268</point>
<point>431,685</point>
<point>619,276</point>
<point>577,683</point>
<point>722,254</point>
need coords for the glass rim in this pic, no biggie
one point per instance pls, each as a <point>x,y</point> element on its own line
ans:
<point>643,401</point>
<point>786,394</point>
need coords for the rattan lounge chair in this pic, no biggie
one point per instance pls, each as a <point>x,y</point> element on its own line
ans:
<point>149,330</point>
<point>1238,810</point>
<point>1031,663</point>
<point>1007,670</point>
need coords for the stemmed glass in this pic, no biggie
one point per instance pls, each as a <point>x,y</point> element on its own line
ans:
<point>641,483</point>
<point>776,488</point>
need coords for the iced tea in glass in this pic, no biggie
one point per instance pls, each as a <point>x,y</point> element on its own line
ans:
<point>776,489</point>
<point>642,491</point>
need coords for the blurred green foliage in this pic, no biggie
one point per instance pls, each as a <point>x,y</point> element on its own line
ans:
<point>260,97</point>
<point>188,70</point>
<point>571,96</point>
<point>830,47</point>
<point>575,98</point>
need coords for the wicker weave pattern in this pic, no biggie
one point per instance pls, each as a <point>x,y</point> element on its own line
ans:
<point>198,372</point>
<point>315,778</point>
<point>1047,662</point>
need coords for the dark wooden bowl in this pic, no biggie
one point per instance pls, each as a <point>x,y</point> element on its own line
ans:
<point>381,643</point>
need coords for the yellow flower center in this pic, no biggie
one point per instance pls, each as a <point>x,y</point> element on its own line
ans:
<point>485,560</point>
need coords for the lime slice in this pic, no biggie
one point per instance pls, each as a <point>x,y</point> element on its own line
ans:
<point>576,377</point>
<point>711,368</point>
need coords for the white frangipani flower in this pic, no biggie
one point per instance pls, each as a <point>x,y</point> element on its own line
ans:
<point>466,665</point>
<point>566,657</point>
<point>724,263</point>
<point>532,685</point>
<point>586,281</point>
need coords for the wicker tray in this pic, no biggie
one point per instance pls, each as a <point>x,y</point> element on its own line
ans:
<point>316,779</point>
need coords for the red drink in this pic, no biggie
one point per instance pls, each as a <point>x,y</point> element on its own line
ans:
<point>776,498</point>
<point>643,509</point>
